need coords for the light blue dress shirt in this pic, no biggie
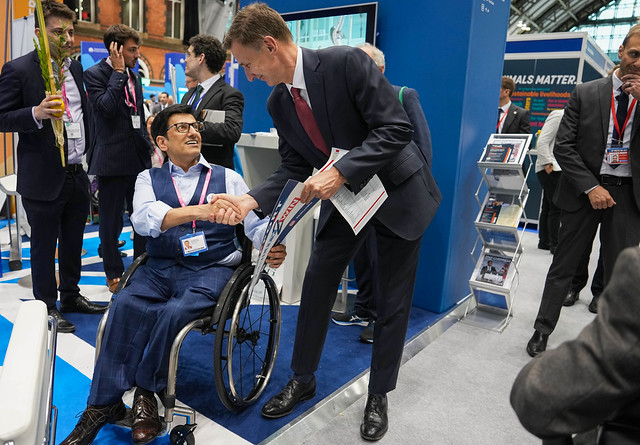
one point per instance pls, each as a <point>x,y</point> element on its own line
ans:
<point>148,212</point>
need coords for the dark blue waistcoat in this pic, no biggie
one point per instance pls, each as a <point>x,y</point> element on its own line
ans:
<point>166,249</point>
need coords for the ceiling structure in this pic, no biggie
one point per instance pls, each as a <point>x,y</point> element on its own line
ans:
<point>536,16</point>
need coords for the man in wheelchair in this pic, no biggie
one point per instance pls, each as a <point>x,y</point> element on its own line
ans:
<point>190,259</point>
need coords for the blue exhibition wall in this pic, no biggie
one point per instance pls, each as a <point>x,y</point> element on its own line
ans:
<point>452,54</point>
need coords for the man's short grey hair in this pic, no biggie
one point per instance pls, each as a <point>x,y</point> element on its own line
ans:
<point>378,56</point>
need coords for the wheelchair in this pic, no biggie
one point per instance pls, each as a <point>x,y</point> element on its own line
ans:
<point>247,334</point>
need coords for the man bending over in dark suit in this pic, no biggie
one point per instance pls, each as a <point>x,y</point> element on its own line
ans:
<point>172,288</point>
<point>122,146</point>
<point>599,152</point>
<point>55,198</point>
<point>203,61</point>
<point>337,97</point>
<point>511,118</point>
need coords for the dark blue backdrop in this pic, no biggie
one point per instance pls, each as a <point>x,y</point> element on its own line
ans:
<point>453,56</point>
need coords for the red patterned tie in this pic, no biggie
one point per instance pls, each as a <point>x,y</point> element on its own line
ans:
<point>308,121</point>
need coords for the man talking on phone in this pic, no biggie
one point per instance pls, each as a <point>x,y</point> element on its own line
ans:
<point>122,148</point>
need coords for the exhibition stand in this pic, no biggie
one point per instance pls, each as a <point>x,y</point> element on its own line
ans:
<point>460,118</point>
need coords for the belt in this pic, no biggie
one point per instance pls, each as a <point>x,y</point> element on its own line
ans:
<point>74,168</point>
<point>614,180</point>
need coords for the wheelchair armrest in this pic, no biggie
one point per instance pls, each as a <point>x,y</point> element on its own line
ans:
<point>240,272</point>
<point>124,281</point>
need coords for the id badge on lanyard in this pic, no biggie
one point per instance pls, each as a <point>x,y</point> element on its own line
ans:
<point>195,242</point>
<point>617,152</point>
<point>72,129</point>
<point>135,117</point>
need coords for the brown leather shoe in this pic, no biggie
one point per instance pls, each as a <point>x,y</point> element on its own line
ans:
<point>146,423</point>
<point>112,283</point>
<point>93,418</point>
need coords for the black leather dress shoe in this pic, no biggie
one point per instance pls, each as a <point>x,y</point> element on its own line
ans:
<point>593,306</point>
<point>93,418</point>
<point>282,404</point>
<point>375,423</point>
<point>537,344</point>
<point>146,423</point>
<point>64,325</point>
<point>81,304</point>
<point>571,299</point>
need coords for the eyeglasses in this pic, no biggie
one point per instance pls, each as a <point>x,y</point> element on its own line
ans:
<point>183,127</point>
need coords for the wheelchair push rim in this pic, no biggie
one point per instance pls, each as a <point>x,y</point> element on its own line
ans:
<point>247,341</point>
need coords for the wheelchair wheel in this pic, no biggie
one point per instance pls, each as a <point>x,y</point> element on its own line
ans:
<point>247,337</point>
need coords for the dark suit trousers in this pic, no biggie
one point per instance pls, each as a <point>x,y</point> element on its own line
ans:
<point>334,247</point>
<point>144,318</point>
<point>61,220</point>
<point>114,191</point>
<point>582,274</point>
<point>365,266</point>
<point>549,224</point>
<point>619,228</point>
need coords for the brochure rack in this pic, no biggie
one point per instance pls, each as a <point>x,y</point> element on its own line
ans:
<point>498,247</point>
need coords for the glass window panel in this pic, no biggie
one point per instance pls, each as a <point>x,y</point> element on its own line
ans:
<point>176,20</point>
<point>607,13</point>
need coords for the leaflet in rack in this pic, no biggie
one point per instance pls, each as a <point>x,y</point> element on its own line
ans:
<point>493,269</point>
<point>505,149</point>
<point>502,209</point>
<point>492,279</point>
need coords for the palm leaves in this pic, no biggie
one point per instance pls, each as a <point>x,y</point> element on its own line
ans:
<point>53,80</point>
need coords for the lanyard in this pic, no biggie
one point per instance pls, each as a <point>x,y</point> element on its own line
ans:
<point>133,93</point>
<point>615,120</point>
<point>504,114</point>
<point>195,106</point>
<point>64,97</point>
<point>202,195</point>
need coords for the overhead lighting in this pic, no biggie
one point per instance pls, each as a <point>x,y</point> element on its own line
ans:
<point>523,26</point>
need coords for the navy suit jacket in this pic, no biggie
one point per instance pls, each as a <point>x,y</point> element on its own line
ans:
<point>421,133</point>
<point>118,149</point>
<point>517,121</point>
<point>357,110</point>
<point>218,139</point>
<point>40,171</point>
<point>581,141</point>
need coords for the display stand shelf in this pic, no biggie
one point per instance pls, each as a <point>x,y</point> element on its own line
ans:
<point>498,248</point>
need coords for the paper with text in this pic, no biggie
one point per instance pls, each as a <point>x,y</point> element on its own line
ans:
<point>356,209</point>
<point>286,214</point>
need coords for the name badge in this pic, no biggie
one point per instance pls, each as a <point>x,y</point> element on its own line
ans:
<point>616,154</point>
<point>193,244</point>
<point>73,130</point>
<point>135,120</point>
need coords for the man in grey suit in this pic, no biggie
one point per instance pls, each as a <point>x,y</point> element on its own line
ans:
<point>163,102</point>
<point>122,147</point>
<point>203,61</point>
<point>593,379</point>
<point>598,148</point>
<point>511,118</point>
<point>342,100</point>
